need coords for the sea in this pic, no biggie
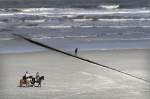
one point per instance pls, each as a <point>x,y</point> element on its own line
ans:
<point>70,24</point>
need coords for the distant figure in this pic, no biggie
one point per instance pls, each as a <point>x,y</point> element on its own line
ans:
<point>37,76</point>
<point>76,51</point>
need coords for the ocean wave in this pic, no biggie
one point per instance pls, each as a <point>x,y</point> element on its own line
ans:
<point>81,36</point>
<point>108,6</point>
<point>131,19</point>
<point>6,14</point>
<point>73,3</point>
<point>91,38</point>
<point>63,37</point>
<point>89,12</point>
<point>10,10</point>
<point>123,39</point>
<point>82,20</point>
<point>48,12</point>
<point>80,26</point>
<point>6,39</point>
<point>124,26</point>
<point>46,37</point>
<point>35,21</point>
<point>51,27</point>
<point>37,9</point>
<point>108,49</point>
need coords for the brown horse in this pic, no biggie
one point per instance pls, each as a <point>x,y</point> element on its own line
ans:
<point>37,81</point>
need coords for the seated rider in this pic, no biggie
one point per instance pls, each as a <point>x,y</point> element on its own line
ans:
<point>37,76</point>
<point>26,75</point>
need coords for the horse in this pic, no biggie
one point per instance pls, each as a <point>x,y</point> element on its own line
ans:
<point>38,81</point>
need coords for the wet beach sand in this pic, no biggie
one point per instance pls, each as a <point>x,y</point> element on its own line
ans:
<point>70,78</point>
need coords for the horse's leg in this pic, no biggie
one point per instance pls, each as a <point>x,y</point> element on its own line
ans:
<point>39,83</point>
<point>32,84</point>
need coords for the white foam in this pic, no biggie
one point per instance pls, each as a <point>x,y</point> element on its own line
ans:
<point>141,19</point>
<point>62,37</point>
<point>6,14</point>
<point>6,39</point>
<point>45,37</point>
<point>52,27</point>
<point>80,20</point>
<point>78,36</point>
<point>74,11</point>
<point>108,6</point>
<point>35,9</point>
<point>86,26</point>
<point>35,21</point>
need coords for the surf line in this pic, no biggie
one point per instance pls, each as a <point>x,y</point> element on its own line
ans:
<point>78,57</point>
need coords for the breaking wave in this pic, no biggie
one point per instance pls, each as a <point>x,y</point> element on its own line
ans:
<point>6,39</point>
<point>74,11</point>
<point>108,6</point>
<point>125,4</point>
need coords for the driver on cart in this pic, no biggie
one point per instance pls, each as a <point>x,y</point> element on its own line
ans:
<point>26,75</point>
<point>37,76</point>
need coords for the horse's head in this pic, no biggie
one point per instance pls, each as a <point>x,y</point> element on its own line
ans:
<point>30,77</point>
<point>42,77</point>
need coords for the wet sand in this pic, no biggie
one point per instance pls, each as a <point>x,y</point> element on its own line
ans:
<point>70,78</point>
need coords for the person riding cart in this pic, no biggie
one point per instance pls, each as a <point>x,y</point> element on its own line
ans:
<point>37,76</point>
<point>29,81</point>
<point>26,76</point>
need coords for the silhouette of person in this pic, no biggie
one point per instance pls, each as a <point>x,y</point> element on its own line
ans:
<point>37,76</point>
<point>26,76</point>
<point>76,51</point>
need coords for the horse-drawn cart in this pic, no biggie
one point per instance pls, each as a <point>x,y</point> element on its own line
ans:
<point>31,81</point>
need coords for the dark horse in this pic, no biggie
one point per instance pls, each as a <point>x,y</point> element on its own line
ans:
<point>38,81</point>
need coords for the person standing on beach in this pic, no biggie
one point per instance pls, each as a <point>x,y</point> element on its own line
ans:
<point>76,51</point>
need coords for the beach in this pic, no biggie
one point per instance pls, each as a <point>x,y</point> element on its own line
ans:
<point>115,36</point>
<point>70,78</point>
